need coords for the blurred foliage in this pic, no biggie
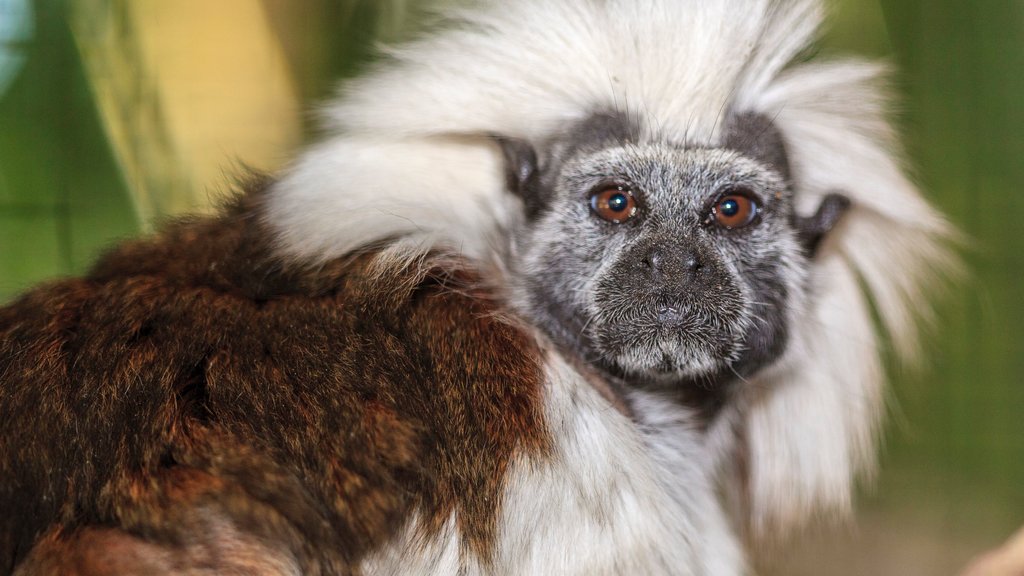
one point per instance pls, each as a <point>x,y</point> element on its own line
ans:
<point>963,431</point>
<point>952,474</point>
<point>127,111</point>
<point>61,195</point>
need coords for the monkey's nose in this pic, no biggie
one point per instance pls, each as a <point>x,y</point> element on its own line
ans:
<point>686,264</point>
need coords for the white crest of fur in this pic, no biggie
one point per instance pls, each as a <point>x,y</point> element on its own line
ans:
<point>413,157</point>
<point>814,430</point>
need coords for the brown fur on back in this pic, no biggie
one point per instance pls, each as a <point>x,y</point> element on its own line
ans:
<point>192,382</point>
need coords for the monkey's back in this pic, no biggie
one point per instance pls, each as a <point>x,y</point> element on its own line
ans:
<point>196,404</point>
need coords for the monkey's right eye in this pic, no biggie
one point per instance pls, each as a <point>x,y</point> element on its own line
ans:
<point>614,204</point>
<point>735,209</point>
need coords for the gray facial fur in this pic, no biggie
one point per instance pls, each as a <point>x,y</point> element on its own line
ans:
<point>668,296</point>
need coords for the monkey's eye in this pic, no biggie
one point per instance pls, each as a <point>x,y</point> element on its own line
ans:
<point>734,210</point>
<point>615,204</point>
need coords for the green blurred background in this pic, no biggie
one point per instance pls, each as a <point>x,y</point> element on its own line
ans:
<point>117,113</point>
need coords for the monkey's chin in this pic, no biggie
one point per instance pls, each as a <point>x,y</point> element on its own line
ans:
<point>671,363</point>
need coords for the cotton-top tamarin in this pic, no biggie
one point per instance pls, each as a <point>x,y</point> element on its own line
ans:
<point>576,287</point>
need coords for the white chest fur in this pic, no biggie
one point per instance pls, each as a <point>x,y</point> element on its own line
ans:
<point>615,497</point>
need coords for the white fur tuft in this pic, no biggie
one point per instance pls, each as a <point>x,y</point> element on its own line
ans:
<point>814,430</point>
<point>613,498</point>
<point>414,158</point>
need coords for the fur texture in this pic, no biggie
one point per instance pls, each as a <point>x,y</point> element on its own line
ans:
<point>201,400</point>
<point>347,372</point>
<point>413,159</point>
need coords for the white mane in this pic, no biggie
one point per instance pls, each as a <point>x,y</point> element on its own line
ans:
<point>413,157</point>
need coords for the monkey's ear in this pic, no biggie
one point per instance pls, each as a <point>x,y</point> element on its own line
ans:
<point>754,135</point>
<point>812,229</point>
<point>522,172</point>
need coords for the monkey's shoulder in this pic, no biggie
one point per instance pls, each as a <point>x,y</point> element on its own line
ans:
<point>346,396</point>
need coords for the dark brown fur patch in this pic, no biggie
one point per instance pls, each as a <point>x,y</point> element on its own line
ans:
<point>194,374</point>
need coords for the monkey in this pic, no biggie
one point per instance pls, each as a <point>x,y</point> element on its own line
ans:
<point>575,287</point>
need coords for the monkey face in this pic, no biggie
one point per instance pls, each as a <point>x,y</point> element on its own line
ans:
<point>665,263</point>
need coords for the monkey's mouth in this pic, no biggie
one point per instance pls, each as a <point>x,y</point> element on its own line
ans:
<point>677,346</point>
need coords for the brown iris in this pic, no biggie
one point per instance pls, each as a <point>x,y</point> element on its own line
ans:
<point>735,210</point>
<point>614,204</point>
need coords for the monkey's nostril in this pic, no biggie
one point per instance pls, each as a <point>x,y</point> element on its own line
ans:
<point>653,261</point>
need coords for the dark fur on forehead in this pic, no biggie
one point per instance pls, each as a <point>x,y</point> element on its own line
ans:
<point>599,130</point>
<point>755,135</point>
<point>524,171</point>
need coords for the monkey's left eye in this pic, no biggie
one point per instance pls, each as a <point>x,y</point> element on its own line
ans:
<point>735,210</point>
<point>615,204</point>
